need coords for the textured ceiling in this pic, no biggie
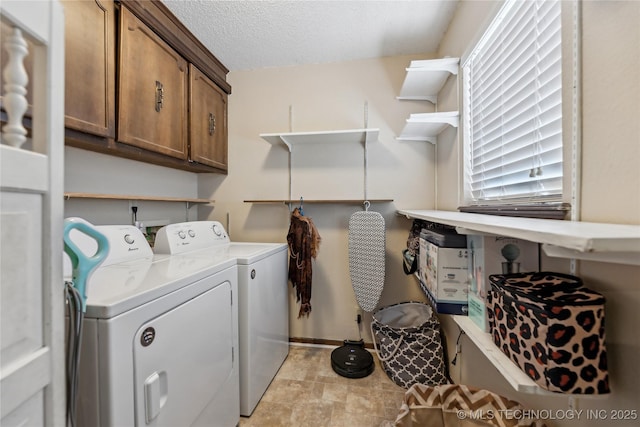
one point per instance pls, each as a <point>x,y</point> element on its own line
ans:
<point>247,35</point>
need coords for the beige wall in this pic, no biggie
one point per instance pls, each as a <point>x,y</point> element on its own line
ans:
<point>611,112</point>
<point>324,97</point>
<point>610,191</point>
<point>90,172</point>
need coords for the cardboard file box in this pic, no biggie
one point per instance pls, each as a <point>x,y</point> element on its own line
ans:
<point>444,276</point>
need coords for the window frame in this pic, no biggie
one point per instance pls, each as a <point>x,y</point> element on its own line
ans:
<point>567,205</point>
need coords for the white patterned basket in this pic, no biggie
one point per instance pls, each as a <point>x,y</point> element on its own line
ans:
<point>407,340</point>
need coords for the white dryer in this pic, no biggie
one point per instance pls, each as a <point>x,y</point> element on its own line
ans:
<point>263,301</point>
<point>160,338</point>
<point>264,317</point>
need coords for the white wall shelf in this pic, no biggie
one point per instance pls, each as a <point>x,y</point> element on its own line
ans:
<point>288,140</point>
<point>615,243</point>
<point>507,368</point>
<point>348,136</point>
<point>425,78</point>
<point>96,196</point>
<point>426,127</point>
<point>320,201</point>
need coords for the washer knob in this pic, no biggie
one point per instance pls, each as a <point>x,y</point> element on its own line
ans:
<point>216,230</point>
<point>181,234</point>
<point>192,233</point>
<point>129,239</point>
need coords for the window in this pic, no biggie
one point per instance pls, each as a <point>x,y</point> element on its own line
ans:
<point>512,108</point>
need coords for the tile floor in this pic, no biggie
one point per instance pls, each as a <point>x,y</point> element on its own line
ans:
<point>306,392</point>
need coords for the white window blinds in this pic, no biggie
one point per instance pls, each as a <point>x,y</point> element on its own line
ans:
<point>512,94</point>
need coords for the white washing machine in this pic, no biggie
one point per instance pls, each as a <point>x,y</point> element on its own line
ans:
<point>263,302</point>
<point>160,338</point>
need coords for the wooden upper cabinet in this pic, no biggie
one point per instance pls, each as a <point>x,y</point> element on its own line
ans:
<point>207,121</point>
<point>127,86</point>
<point>90,33</point>
<point>152,94</point>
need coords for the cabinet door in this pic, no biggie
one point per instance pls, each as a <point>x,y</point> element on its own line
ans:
<point>90,66</point>
<point>152,95</point>
<point>207,121</point>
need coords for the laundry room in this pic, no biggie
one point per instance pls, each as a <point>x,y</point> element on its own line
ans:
<point>317,136</point>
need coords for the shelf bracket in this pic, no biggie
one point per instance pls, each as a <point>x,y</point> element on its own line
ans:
<point>418,139</point>
<point>286,142</point>
<point>452,68</point>
<point>469,231</point>
<point>629,258</point>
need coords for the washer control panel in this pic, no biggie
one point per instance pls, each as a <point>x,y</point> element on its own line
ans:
<point>189,236</point>
<point>126,243</point>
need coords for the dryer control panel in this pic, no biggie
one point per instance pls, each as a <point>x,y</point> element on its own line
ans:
<point>190,236</point>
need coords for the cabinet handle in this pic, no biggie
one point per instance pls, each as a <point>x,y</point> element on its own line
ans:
<point>212,124</point>
<point>159,96</point>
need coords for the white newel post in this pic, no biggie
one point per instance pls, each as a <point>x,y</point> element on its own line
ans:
<point>15,87</point>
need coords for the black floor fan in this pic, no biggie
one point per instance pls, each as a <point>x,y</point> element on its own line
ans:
<point>367,270</point>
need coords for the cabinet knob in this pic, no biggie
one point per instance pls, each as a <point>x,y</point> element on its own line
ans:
<point>159,96</point>
<point>212,124</point>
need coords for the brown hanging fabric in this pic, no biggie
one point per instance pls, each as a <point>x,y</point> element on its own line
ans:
<point>304,242</point>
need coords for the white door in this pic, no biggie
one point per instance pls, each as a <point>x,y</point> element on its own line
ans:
<point>32,383</point>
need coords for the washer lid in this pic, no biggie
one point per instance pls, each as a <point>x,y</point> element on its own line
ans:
<point>118,288</point>
<point>248,253</point>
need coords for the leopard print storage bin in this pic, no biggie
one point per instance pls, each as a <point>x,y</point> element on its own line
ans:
<point>552,327</point>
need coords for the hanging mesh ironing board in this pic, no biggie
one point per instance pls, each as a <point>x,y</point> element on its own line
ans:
<point>367,257</point>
